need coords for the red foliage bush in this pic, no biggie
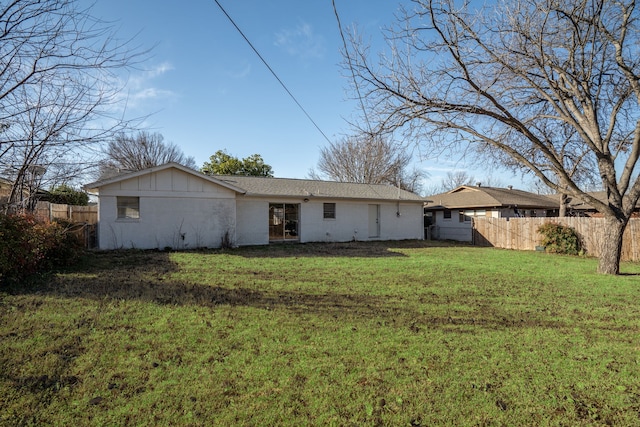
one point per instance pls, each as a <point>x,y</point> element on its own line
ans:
<point>28,246</point>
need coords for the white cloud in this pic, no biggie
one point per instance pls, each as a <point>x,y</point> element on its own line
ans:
<point>140,80</point>
<point>149,93</point>
<point>240,73</point>
<point>160,69</point>
<point>143,87</point>
<point>301,41</point>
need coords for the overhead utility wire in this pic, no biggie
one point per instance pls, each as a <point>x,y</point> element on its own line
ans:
<point>353,74</point>
<point>270,69</point>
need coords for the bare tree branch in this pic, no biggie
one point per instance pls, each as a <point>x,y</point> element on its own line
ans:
<point>370,160</point>
<point>551,88</point>
<point>142,151</point>
<point>58,91</point>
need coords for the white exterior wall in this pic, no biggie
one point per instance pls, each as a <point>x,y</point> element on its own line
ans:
<point>454,229</point>
<point>252,225</point>
<point>177,210</point>
<point>451,229</point>
<point>351,223</point>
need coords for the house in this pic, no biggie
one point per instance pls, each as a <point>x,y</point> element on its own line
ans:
<point>449,214</point>
<point>578,207</point>
<point>174,206</point>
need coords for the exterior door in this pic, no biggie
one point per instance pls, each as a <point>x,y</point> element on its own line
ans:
<point>283,222</point>
<point>374,220</point>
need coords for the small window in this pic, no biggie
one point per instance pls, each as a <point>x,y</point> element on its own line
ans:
<point>461,216</point>
<point>447,214</point>
<point>468,215</point>
<point>128,207</point>
<point>329,211</point>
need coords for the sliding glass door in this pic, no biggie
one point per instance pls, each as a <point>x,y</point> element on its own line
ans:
<point>283,222</point>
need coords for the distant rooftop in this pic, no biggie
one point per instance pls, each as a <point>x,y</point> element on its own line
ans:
<point>490,197</point>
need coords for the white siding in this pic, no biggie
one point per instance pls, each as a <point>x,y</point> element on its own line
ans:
<point>352,221</point>
<point>451,229</point>
<point>177,210</point>
<point>253,222</point>
<point>184,211</point>
<point>454,229</point>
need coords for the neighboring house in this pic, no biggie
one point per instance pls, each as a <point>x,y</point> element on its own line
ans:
<point>450,213</point>
<point>577,207</point>
<point>177,207</point>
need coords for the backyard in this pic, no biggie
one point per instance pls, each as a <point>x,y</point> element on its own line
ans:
<point>379,334</point>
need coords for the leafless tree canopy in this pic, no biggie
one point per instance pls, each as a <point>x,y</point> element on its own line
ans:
<point>456,178</point>
<point>58,88</point>
<point>550,86</point>
<point>142,151</point>
<point>370,160</point>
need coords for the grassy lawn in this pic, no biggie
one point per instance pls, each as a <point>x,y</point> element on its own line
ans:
<point>379,334</point>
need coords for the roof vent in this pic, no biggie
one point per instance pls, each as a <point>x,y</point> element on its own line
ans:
<point>510,187</point>
<point>478,184</point>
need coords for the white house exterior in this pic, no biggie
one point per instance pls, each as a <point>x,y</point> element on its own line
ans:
<point>171,206</point>
<point>452,212</point>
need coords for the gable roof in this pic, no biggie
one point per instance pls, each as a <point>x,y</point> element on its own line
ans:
<point>489,197</point>
<point>307,188</point>
<point>129,175</point>
<point>283,187</point>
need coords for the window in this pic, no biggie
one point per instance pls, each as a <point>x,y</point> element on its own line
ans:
<point>447,214</point>
<point>461,217</point>
<point>128,207</point>
<point>329,211</point>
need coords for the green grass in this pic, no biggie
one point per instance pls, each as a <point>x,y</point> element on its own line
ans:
<point>379,334</point>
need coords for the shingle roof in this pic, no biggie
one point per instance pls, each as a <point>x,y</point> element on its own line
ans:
<point>576,203</point>
<point>259,186</point>
<point>283,187</point>
<point>489,197</point>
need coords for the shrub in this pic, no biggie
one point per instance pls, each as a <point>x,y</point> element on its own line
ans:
<point>28,246</point>
<point>560,239</point>
<point>67,195</point>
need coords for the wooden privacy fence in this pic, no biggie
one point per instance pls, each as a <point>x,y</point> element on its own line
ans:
<point>83,219</point>
<point>522,234</point>
<point>51,211</point>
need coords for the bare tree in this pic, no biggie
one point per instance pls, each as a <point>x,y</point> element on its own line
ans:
<point>455,179</point>
<point>370,160</point>
<point>142,151</point>
<point>58,90</point>
<point>509,80</point>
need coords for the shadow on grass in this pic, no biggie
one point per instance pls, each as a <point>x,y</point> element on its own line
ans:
<point>146,276</point>
<point>369,249</point>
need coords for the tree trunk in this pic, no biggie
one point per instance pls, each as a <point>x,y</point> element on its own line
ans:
<point>611,245</point>
<point>563,205</point>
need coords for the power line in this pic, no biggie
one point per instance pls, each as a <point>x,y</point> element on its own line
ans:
<point>271,70</point>
<point>353,74</point>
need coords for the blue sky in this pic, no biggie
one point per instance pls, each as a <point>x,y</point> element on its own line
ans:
<point>207,90</point>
